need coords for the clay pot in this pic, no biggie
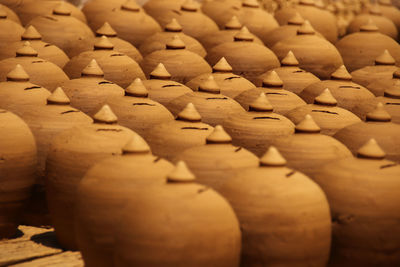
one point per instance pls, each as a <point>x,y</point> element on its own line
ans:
<point>11,15</point>
<point>308,150</point>
<point>137,111</point>
<point>390,11</point>
<point>292,199</point>
<point>230,84</point>
<point>90,90</point>
<point>347,93</point>
<point>71,154</point>
<point>282,100</point>
<point>294,79</point>
<point>74,39</point>
<point>329,117</point>
<point>351,183</point>
<point>183,238</point>
<point>161,88</point>
<point>41,72</point>
<point>378,124</point>
<point>159,40</point>
<point>117,67</point>
<point>10,31</point>
<point>221,11</point>
<point>247,58</point>
<point>170,138</point>
<point>322,20</point>
<point>129,20</point>
<point>360,49</point>
<point>217,160</point>
<point>314,53</point>
<point>45,50</point>
<point>119,44</point>
<point>174,57</point>
<point>16,93</point>
<point>17,168</point>
<point>255,128</point>
<point>213,107</point>
<point>109,185</point>
<point>378,87</point>
<point>157,7</point>
<point>383,69</point>
<point>92,8</point>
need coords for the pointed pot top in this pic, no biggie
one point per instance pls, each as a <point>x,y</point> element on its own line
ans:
<point>379,114</point>
<point>189,113</point>
<point>325,98</point>
<point>222,66</point>
<point>58,97</point>
<point>272,158</point>
<point>341,74</point>
<point>371,150</point>
<point>173,26</point>
<point>18,74</point>
<point>370,26</point>
<point>306,28</point>
<point>307,125</point>
<point>272,80</point>
<point>130,5</point>
<point>105,115</point>
<point>218,136</point>
<point>26,51</point>
<point>181,174</point>
<point>92,70</point>
<point>106,30</point>
<point>233,24</point>
<point>297,19</point>
<point>385,59</point>
<point>261,104</point>
<point>209,86</point>
<point>137,89</point>
<point>160,73</point>
<point>250,3</point>
<point>244,35</point>
<point>190,5</point>
<point>175,43</point>
<point>103,44</point>
<point>62,9</point>
<point>31,33</point>
<point>290,60</point>
<point>136,145</point>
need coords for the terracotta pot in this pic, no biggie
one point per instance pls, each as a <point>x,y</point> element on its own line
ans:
<point>17,168</point>
<point>161,88</point>
<point>347,93</point>
<point>182,237</point>
<point>109,185</point>
<point>170,138</point>
<point>383,69</point>
<point>213,107</point>
<point>41,72</point>
<point>117,67</point>
<point>45,50</point>
<point>221,11</point>
<point>92,8</point>
<point>314,53</point>
<point>159,40</point>
<point>255,128</point>
<point>378,124</point>
<point>294,79</point>
<point>368,43</point>
<point>128,19</point>
<point>351,183</point>
<point>247,58</point>
<point>378,87</point>
<point>390,11</point>
<point>322,20</point>
<point>77,36</point>
<point>329,117</point>
<point>282,100</point>
<point>230,84</point>
<point>157,7</point>
<point>10,31</point>
<point>174,57</point>
<point>137,111</point>
<point>71,154</point>
<point>292,199</point>
<point>11,15</point>
<point>308,150</point>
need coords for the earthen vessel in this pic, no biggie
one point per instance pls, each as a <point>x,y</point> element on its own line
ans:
<point>378,87</point>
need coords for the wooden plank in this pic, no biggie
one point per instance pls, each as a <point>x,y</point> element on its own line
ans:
<point>65,259</point>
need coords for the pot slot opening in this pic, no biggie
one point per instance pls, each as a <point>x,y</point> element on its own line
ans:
<point>216,98</point>
<point>32,87</point>
<point>290,174</point>
<point>298,71</point>
<point>388,165</point>
<point>37,61</point>
<point>177,12</point>
<point>325,111</point>
<point>171,85</point>
<point>50,18</point>
<point>105,82</point>
<point>275,94</point>
<point>349,87</point>
<point>69,111</point>
<point>232,77</point>
<point>143,104</point>
<point>117,55</point>
<point>47,45</point>
<point>238,149</point>
<point>202,190</point>
<point>109,130</point>
<point>195,128</point>
<point>156,159</point>
<point>266,118</point>
<point>388,103</point>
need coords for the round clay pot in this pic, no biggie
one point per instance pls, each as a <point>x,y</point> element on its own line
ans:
<point>308,150</point>
<point>181,240</point>
<point>292,199</point>
<point>17,168</point>
<point>378,124</point>
<point>351,183</point>
<point>361,48</point>
<point>230,84</point>
<point>383,69</point>
<point>157,7</point>
<point>314,53</point>
<point>137,111</point>
<point>41,72</point>
<point>183,64</point>
<point>161,88</point>
<point>91,8</point>
<point>378,87</point>
<point>74,39</point>
<point>217,160</point>
<point>322,20</point>
<point>91,90</point>
<point>10,31</point>
<point>247,58</point>
<point>71,154</point>
<point>45,50</point>
<point>128,19</point>
<point>170,138</point>
<point>347,93</point>
<point>390,11</point>
<point>117,67</point>
<point>221,11</point>
<point>159,40</point>
<point>11,15</point>
<point>294,79</point>
<point>329,117</point>
<point>213,107</point>
<point>108,186</point>
<point>254,129</point>
<point>282,100</point>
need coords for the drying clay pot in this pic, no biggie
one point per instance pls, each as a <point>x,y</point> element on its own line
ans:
<point>221,11</point>
<point>390,11</point>
<point>92,8</point>
<point>378,87</point>
<point>10,31</point>
<point>156,7</point>
<point>10,10</point>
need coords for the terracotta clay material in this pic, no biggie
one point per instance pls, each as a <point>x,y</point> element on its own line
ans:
<point>117,67</point>
<point>92,8</point>
<point>390,11</point>
<point>378,87</point>
<point>221,11</point>
<point>17,168</point>
<point>10,31</point>
<point>156,7</point>
<point>351,183</point>
<point>10,10</point>
<point>284,215</point>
